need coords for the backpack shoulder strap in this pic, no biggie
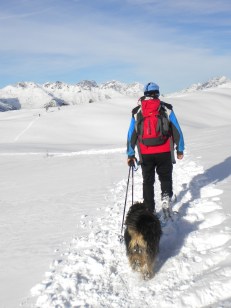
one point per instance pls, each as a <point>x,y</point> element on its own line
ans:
<point>135,110</point>
<point>142,98</point>
<point>168,106</point>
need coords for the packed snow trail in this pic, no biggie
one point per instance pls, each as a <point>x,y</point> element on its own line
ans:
<point>192,270</point>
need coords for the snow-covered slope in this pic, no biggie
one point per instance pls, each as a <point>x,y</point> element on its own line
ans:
<point>32,95</point>
<point>63,183</point>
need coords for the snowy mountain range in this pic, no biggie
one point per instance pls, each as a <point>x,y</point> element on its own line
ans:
<point>30,95</point>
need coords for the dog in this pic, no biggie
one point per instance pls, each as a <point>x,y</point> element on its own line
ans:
<point>142,236</point>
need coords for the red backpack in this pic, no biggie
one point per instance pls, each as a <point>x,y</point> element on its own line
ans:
<point>153,127</point>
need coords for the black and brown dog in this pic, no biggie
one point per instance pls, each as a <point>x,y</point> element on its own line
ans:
<point>142,237</point>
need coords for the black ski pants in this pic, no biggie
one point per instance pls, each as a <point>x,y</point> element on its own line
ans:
<point>160,163</point>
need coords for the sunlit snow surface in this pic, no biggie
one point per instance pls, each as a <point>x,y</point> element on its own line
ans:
<point>63,181</point>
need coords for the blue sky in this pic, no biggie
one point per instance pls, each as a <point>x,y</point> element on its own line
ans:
<point>172,42</point>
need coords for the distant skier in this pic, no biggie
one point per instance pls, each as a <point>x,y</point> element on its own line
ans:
<point>154,129</point>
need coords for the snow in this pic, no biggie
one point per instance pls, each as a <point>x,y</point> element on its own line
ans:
<point>63,182</point>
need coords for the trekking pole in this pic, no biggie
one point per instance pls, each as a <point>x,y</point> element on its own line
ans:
<point>132,184</point>
<point>125,203</point>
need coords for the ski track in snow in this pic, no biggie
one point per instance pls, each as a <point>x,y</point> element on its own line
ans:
<point>94,271</point>
<point>24,130</point>
<point>67,154</point>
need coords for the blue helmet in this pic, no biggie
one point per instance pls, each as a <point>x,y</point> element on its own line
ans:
<point>151,88</point>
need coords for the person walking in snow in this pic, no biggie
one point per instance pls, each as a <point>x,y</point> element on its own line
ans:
<point>155,131</point>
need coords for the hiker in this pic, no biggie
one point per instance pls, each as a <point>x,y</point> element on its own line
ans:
<point>155,131</point>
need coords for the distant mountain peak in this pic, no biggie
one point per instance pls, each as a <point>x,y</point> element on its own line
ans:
<point>87,84</point>
<point>26,84</point>
<point>134,88</point>
<point>55,85</point>
<point>210,84</point>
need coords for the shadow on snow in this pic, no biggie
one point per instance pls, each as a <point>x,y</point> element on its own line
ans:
<point>174,234</point>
